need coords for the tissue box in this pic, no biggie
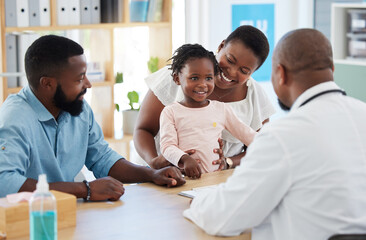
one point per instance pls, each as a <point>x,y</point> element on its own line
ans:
<point>14,217</point>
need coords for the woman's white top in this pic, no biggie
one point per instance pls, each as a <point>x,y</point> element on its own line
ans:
<point>252,110</point>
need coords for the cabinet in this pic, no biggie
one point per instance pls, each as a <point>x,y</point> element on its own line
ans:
<point>101,41</point>
<point>350,68</point>
<point>348,33</point>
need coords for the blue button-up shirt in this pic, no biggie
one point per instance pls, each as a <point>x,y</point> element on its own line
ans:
<point>33,142</point>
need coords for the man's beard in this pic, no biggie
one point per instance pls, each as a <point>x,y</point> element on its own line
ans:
<point>74,107</point>
<point>282,105</point>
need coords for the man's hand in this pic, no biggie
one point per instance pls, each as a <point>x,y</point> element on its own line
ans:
<point>160,162</point>
<point>191,167</point>
<point>169,176</point>
<point>106,188</point>
<point>221,161</point>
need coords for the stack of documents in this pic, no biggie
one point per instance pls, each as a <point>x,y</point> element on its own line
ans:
<point>199,190</point>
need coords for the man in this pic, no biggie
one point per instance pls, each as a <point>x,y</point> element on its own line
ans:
<point>49,128</point>
<point>304,176</point>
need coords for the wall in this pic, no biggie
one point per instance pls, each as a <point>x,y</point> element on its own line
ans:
<point>352,79</point>
<point>208,22</point>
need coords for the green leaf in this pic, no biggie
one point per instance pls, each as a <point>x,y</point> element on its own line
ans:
<point>133,96</point>
<point>119,77</point>
<point>153,64</point>
<point>117,107</point>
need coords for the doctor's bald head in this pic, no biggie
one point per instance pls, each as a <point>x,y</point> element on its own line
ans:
<point>301,59</point>
<point>304,50</point>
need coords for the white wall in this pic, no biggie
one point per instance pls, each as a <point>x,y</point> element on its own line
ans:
<point>208,22</point>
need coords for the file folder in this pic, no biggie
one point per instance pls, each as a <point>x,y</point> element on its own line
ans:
<point>11,59</point>
<point>138,10</point>
<point>44,13</point>
<point>22,13</point>
<point>155,10</point>
<point>85,12</point>
<point>34,12</point>
<point>118,11</point>
<point>62,13</point>
<point>95,12</point>
<point>73,11</point>
<point>24,41</point>
<point>10,13</point>
<point>106,8</point>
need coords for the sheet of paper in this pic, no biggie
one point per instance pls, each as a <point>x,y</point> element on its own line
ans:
<point>192,193</point>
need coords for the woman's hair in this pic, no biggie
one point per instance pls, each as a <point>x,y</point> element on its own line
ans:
<point>188,52</point>
<point>253,38</point>
<point>47,56</point>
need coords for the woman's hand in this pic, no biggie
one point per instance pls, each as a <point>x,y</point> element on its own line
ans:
<point>221,161</point>
<point>159,162</point>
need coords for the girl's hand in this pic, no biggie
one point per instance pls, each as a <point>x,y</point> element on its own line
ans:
<point>191,167</point>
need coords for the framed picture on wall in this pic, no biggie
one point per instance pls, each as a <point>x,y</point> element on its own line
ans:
<point>261,16</point>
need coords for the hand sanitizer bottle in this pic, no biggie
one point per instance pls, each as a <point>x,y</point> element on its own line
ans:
<point>42,212</point>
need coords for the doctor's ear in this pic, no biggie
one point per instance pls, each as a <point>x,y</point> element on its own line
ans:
<point>282,74</point>
<point>176,78</point>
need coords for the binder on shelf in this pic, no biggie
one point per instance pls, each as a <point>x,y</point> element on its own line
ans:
<point>11,59</point>
<point>95,11</point>
<point>34,12</point>
<point>118,11</point>
<point>73,8</point>
<point>10,13</point>
<point>24,41</point>
<point>22,11</point>
<point>62,12</point>
<point>85,12</point>
<point>106,10</point>
<point>155,11</point>
<point>138,10</point>
<point>44,13</point>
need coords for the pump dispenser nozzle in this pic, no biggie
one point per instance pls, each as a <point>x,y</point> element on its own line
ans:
<point>42,185</point>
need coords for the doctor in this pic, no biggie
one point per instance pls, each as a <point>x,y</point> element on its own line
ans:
<point>304,176</point>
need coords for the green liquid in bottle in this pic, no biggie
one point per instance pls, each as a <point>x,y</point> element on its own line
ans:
<point>43,226</point>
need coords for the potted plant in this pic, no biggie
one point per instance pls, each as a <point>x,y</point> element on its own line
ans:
<point>129,116</point>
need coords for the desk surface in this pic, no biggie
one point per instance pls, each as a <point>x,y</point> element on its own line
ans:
<point>145,211</point>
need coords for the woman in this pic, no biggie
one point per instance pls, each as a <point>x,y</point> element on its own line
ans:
<point>239,55</point>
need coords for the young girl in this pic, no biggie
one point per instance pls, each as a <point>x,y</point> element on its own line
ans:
<point>196,122</point>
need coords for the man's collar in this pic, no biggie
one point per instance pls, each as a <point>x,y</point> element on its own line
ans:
<point>313,91</point>
<point>40,110</point>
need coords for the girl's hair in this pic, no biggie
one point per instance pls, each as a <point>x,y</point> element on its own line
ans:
<point>188,52</point>
<point>253,38</point>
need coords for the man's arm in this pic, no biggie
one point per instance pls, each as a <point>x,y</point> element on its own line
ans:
<point>128,172</point>
<point>101,189</point>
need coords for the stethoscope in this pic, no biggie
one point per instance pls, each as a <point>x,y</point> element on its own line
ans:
<point>322,93</point>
